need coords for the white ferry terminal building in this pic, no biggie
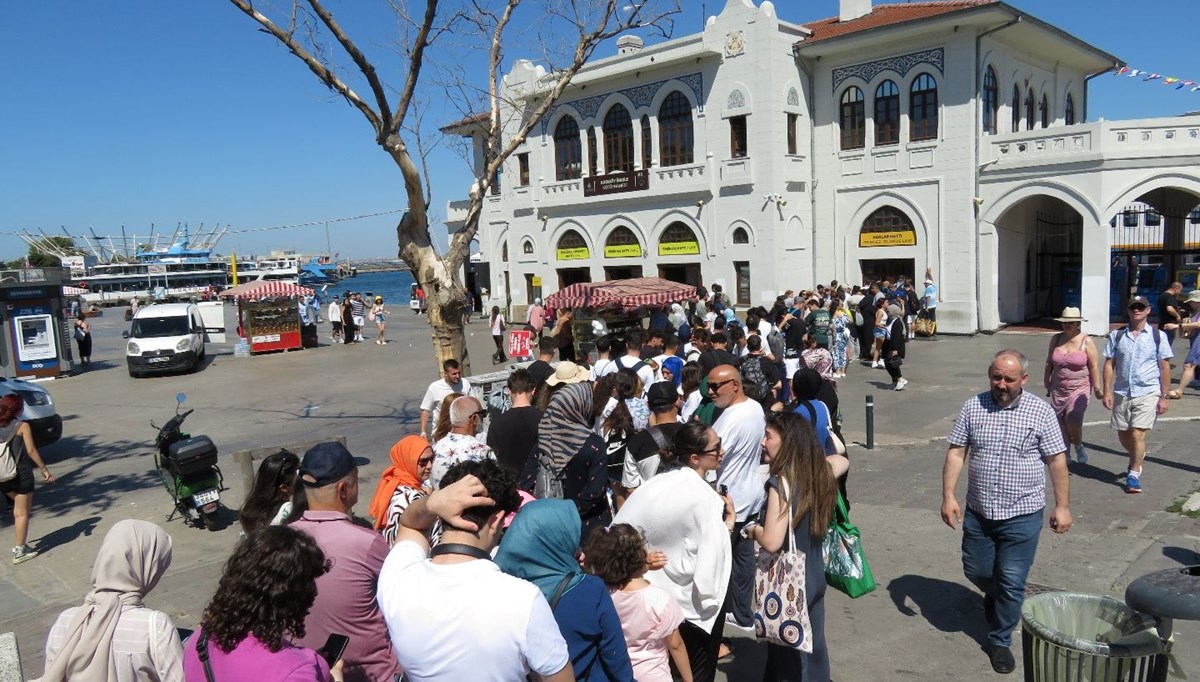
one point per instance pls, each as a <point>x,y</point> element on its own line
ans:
<point>765,155</point>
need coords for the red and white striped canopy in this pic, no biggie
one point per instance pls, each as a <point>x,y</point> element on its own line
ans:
<point>266,289</point>
<point>623,294</point>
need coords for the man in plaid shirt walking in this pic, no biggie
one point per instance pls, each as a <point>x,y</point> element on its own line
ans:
<point>1010,435</point>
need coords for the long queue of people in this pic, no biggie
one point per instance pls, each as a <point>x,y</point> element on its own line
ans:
<point>605,528</point>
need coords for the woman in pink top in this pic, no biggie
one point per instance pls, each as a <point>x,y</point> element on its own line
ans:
<point>650,618</point>
<point>265,593</point>
<point>1072,372</point>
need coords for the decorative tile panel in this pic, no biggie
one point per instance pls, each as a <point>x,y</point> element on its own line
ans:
<point>793,98</point>
<point>737,100</point>
<point>640,95</point>
<point>901,65</point>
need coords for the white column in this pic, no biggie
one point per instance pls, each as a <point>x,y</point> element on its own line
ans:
<point>1097,273</point>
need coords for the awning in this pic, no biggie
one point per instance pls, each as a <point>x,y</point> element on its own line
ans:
<point>623,294</point>
<point>73,291</point>
<point>266,289</point>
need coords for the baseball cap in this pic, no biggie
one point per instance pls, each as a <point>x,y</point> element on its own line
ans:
<point>662,395</point>
<point>325,463</point>
<point>1138,302</point>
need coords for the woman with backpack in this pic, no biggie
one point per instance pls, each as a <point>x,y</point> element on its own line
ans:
<point>18,456</point>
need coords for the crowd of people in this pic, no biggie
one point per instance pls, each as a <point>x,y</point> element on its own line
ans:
<point>607,525</point>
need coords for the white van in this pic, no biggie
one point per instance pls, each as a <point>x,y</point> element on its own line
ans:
<point>169,337</point>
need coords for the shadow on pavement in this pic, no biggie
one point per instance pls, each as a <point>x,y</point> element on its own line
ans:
<point>1185,557</point>
<point>947,606</point>
<point>79,490</point>
<point>1094,473</point>
<point>68,534</point>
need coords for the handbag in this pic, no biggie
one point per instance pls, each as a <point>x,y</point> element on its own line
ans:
<point>79,333</point>
<point>846,566</point>
<point>923,326</point>
<point>781,595</point>
<point>548,483</point>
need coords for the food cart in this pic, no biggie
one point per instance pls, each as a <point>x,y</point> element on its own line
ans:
<point>269,314</point>
<point>619,304</point>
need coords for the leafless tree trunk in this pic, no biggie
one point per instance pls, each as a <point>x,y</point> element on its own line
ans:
<point>586,22</point>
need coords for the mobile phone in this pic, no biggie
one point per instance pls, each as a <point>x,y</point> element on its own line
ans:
<point>722,489</point>
<point>333,649</point>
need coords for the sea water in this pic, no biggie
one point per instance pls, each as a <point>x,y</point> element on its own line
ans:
<point>395,287</point>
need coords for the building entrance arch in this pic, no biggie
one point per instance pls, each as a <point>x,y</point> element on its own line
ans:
<point>1155,239</point>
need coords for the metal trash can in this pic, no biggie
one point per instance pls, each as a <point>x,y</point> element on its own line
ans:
<point>1089,638</point>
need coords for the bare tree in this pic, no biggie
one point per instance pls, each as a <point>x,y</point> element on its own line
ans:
<point>572,28</point>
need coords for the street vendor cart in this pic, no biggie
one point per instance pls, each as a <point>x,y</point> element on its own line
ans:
<point>269,314</point>
<point>613,307</point>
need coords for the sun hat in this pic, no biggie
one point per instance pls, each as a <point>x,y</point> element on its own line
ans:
<point>1193,296</point>
<point>1071,314</point>
<point>568,372</point>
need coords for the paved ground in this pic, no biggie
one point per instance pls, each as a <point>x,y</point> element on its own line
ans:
<point>923,622</point>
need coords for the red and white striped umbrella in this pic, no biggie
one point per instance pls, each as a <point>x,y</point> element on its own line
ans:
<point>266,289</point>
<point>624,294</point>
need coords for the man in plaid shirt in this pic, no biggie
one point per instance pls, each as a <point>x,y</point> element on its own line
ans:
<point>1010,435</point>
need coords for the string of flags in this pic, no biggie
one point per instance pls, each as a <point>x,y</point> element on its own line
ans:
<point>1148,76</point>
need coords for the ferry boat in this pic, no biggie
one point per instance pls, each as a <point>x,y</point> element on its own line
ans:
<point>178,270</point>
<point>293,269</point>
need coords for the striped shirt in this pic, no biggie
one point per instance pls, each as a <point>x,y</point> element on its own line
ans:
<point>1135,361</point>
<point>1006,475</point>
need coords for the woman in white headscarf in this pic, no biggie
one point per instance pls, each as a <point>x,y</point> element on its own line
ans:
<point>113,636</point>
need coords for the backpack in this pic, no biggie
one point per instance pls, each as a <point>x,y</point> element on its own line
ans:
<point>752,373</point>
<point>775,343</point>
<point>9,454</point>
<point>637,367</point>
<point>1120,334</point>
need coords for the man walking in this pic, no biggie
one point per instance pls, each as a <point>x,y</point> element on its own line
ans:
<point>1137,378</point>
<point>452,381</point>
<point>1169,312</point>
<point>1009,434</point>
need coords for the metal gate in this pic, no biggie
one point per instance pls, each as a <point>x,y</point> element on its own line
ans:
<point>1151,249</point>
<point>1058,275</point>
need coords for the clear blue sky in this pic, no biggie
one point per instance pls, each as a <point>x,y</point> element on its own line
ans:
<point>140,112</point>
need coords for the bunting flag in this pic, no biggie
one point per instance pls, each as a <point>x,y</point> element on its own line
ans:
<point>1147,76</point>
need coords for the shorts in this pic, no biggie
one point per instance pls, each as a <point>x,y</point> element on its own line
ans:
<point>879,333</point>
<point>337,327</point>
<point>1134,413</point>
<point>1193,356</point>
<point>358,321</point>
<point>23,483</point>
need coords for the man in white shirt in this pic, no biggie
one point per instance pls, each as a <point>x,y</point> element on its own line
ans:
<point>452,615</point>
<point>741,427</point>
<point>632,359</point>
<point>335,320</point>
<point>431,404</point>
<point>461,444</point>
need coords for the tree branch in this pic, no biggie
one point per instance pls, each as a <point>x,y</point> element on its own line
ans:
<point>414,65</point>
<point>360,60</point>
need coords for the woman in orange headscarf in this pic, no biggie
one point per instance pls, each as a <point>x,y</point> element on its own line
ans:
<point>401,484</point>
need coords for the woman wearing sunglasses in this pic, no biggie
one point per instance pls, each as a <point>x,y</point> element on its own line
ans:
<point>401,484</point>
<point>682,517</point>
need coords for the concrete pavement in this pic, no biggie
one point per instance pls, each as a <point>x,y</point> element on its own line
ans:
<point>924,620</point>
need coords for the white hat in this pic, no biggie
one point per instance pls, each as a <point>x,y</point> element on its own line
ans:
<point>1193,296</point>
<point>1071,314</point>
<point>568,372</point>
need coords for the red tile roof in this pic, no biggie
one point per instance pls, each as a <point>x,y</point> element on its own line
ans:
<point>481,117</point>
<point>887,15</point>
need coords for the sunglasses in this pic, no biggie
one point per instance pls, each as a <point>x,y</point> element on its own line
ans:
<point>714,450</point>
<point>425,461</point>
<point>715,386</point>
<point>481,414</point>
<point>1139,308</point>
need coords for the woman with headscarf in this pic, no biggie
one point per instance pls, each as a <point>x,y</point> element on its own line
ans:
<point>810,389</point>
<point>672,370</point>
<point>894,346</point>
<point>573,454</point>
<point>542,546</point>
<point>401,484</point>
<point>83,646</point>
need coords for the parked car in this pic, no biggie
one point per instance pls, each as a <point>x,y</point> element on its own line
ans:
<point>39,413</point>
<point>167,337</point>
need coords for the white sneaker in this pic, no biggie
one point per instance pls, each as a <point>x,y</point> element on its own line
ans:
<point>22,553</point>
<point>901,384</point>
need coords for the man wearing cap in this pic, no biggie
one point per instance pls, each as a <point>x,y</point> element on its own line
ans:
<point>641,452</point>
<point>345,602</point>
<point>1137,378</point>
<point>452,381</point>
<point>460,445</point>
<point>929,299</point>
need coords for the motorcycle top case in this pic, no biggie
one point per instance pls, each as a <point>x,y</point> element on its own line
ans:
<point>192,455</point>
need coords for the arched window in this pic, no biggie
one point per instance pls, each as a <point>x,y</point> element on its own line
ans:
<point>527,247</point>
<point>1069,112</point>
<point>504,251</point>
<point>1029,119</point>
<point>1016,109</point>
<point>854,119</point>
<point>923,109</point>
<point>647,146</point>
<point>678,240</point>
<point>887,113</point>
<point>887,226</point>
<point>740,236</point>
<point>622,243</point>
<point>618,140</point>
<point>572,246</point>
<point>1044,111</point>
<point>991,101</point>
<point>675,130</point>
<point>591,140</point>
<point>568,156</point>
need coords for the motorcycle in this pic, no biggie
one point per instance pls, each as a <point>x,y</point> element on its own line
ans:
<point>189,471</point>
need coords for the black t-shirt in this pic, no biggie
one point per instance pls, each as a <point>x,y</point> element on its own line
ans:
<point>1165,300</point>
<point>715,358</point>
<point>513,436</point>
<point>541,370</point>
<point>793,337</point>
<point>642,444</point>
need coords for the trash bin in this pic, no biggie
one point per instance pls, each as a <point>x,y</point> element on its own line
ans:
<point>1089,638</point>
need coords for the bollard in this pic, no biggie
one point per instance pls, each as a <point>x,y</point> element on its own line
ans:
<point>870,422</point>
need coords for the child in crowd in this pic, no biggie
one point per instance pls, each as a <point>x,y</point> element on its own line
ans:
<point>650,618</point>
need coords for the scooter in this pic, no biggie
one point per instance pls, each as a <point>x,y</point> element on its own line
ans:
<point>189,471</point>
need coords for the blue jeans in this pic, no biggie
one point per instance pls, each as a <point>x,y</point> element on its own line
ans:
<point>997,556</point>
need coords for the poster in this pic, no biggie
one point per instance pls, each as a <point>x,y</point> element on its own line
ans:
<point>520,344</point>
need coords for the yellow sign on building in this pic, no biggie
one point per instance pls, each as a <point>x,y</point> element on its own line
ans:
<point>573,253</point>
<point>901,238</point>
<point>679,248</point>
<point>536,281</point>
<point>623,251</point>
